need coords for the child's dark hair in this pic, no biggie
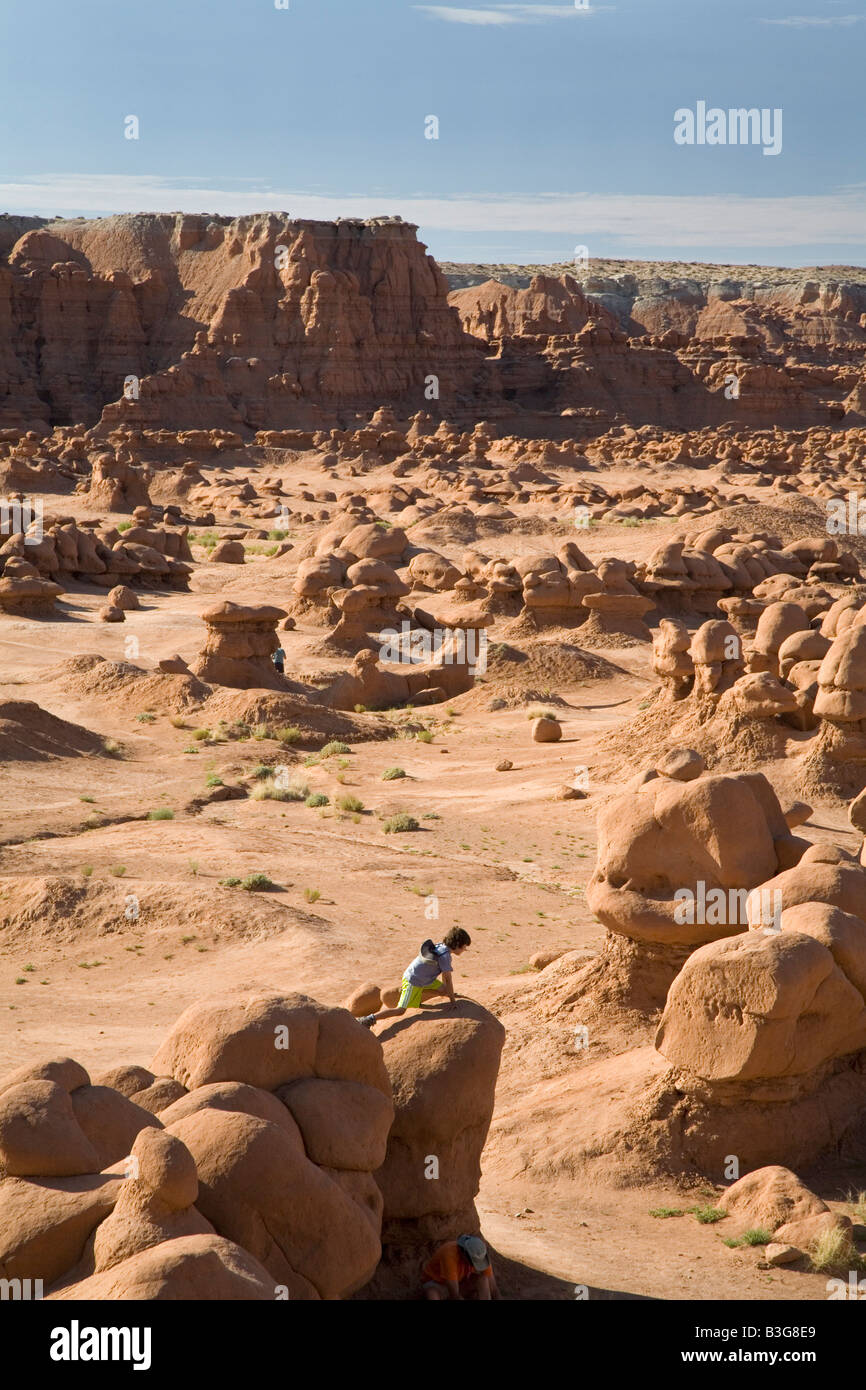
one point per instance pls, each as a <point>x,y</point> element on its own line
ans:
<point>456,938</point>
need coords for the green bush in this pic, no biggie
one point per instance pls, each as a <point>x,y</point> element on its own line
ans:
<point>269,791</point>
<point>257,883</point>
<point>349,803</point>
<point>391,774</point>
<point>316,799</point>
<point>401,822</point>
<point>161,813</point>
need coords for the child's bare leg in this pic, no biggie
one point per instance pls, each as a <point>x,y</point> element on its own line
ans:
<point>388,1013</point>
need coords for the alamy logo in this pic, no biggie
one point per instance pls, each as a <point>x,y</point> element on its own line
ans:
<point>846,516</point>
<point>729,907</point>
<point>77,1343</point>
<point>20,1290</point>
<point>737,126</point>
<point>451,646</point>
<point>854,1289</point>
<point>22,517</point>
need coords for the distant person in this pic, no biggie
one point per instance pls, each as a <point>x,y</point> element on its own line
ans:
<point>279,660</point>
<point>422,976</point>
<point>459,1267</point>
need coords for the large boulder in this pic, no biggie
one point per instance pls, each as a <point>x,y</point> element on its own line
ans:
<point>443,1063</point>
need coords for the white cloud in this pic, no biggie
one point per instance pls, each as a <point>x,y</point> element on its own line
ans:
<point>505,14</point>
<point>837,217</point>
<point>454,16</point>
<point>816,22</point>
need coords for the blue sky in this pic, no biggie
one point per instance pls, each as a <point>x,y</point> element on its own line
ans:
<point>555,123</point>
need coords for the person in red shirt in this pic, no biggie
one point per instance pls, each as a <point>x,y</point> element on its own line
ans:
<point>458,1267</point>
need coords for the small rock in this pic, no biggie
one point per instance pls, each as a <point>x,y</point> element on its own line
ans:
<point>173,665</point>
<point>228,552</point>
<point>542,959</point>
<point>570,793</point>
<point>777,1254</point>
<point>682,764</point>
<point>110,614</point>
<point>857,812</point>
<point>546,730</point>
<point>505,765</point>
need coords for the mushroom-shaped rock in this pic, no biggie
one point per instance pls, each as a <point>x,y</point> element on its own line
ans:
<point>842,679</point>
<point>760,1005</point>
<point>672,661</point>
<point>618,608</point>
<point>778,621</point>
<point>237,651</point>
<point>760,695</point>
<point>429,570</point>
<point>676,859</point>
<point>717,653</point>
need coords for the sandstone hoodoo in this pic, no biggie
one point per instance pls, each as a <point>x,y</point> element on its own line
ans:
<point>241,639</point>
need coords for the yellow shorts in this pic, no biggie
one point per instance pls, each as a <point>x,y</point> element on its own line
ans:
<point>411,995</point>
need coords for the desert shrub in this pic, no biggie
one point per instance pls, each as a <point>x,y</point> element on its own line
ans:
<point>832,1250</point>
<point>316,799</point>
<point>424,736</point>
<point>290,734</point>
<point>231,882</point>
<point>214,781</point>
<point>335,746</point>
<point>391,774</point>
<point>399,823</point>
<point>161,813</point>
<point>269,791</point>
<point>707,1215</point>
<point>257,883</point>
<point>757,1236</point>
<point>349,803</point>
<point>261,771</point>
<point>311,895</point>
